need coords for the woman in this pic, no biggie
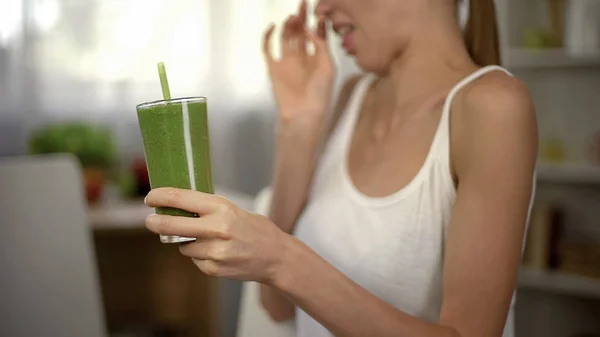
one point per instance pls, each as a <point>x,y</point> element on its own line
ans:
<point>410,221</point>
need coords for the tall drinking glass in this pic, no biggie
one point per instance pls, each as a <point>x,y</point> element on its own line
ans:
<point>177,149</point>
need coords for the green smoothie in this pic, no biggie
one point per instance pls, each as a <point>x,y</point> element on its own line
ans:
<point>176,144</point>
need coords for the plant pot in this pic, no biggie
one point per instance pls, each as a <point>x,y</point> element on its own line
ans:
<point>94,181</point>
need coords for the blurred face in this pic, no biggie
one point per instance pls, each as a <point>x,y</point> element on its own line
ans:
<point>374,31</point>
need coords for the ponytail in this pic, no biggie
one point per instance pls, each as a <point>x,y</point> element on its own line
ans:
<point>481,33</point>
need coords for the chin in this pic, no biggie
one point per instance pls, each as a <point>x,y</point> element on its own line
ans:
<point>371,62</point>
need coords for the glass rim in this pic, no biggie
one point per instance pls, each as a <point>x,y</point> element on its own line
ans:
<point>167,101</point>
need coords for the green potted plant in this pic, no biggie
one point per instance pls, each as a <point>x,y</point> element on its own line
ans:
<point>91,144</point>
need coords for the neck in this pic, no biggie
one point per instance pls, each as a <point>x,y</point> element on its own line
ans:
<point>433,59</point>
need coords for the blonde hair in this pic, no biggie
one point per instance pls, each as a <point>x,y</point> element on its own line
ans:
<point>481,33</point>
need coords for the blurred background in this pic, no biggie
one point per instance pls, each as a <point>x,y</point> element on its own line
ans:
<point>72,72</point>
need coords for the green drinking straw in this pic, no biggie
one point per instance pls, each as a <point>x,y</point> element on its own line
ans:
<point>164,83</point>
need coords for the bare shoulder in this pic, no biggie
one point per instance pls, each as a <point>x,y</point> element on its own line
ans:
<point>493,114</point>
<point>497,97</point>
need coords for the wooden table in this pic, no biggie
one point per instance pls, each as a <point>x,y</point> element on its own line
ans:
<point>146,283</point>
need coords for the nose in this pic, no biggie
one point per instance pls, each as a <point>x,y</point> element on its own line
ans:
<point>323,8</point>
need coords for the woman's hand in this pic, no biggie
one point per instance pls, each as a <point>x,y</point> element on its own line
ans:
<point>231,242</point>
<point>302,82</point>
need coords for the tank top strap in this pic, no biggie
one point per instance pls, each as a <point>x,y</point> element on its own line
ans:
<point>441,142</point>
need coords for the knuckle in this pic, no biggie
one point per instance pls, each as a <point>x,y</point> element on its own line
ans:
<point>218,253</point>
<point>164,225</point>
<point>173,195</point>
<point>224,205</point>
<point>210,268</point>
<point>228,209</point>
<point>225,229</point>
<point>230,216</point>
<point>223,208</point>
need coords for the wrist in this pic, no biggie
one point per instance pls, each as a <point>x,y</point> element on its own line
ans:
<point>299,139</point>
<point>290,263</point>
<point>306,127</point>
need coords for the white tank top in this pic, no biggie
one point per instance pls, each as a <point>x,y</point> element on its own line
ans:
<point>392,246</point>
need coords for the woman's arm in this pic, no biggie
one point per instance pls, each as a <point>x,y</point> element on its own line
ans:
<point>302,86</point>
<point>295,161</point>
<point>294,167</point>
<point>494,161</point>
<point>494,147</point>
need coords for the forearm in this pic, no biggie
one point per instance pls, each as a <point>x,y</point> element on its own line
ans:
<point>278,307</point>
<point>295,160</point>
<point>342,306</point>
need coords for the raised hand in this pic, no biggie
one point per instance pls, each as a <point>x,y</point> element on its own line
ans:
<point>302,81</point>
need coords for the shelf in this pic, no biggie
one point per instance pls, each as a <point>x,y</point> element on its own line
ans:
<point>522,58</point>
<point>558,282</point>
<point>122,215</point>
<point>569,174</point>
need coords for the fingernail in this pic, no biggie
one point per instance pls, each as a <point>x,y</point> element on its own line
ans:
<point>145,198</point>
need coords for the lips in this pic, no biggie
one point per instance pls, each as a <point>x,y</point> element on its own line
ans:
<point>345,32</point>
